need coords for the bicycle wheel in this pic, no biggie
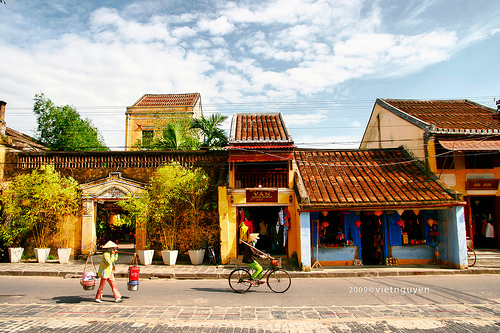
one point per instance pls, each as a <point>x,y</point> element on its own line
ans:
<point>279,280</point>
<point>471,257</point>
<point>239,280</point>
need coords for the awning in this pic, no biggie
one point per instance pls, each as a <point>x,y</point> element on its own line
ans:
<point>470,144</point>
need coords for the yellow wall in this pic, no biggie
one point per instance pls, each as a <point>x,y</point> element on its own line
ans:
<point>231,200</point>
<point>154,118</point>
<point>386,130</point>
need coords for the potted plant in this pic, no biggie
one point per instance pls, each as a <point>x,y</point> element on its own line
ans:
<point>12,235</point>
<point>168,254</point>
<point>38,202</point>
<point>64,250</point>
<point>194,198</point>
<point>146,256</point>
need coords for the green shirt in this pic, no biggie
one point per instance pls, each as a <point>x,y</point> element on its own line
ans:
<point>106,266</point>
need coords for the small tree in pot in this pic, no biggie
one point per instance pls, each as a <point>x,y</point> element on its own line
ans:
<point>37,203</point>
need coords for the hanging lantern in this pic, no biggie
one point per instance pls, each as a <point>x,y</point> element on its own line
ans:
<point>325,213</point>
<point>401,223</point>
<point>431,221</point>
<point>416,211</point>
<point>400,211</point>
<point>358,223</point>
<point>378,212</point>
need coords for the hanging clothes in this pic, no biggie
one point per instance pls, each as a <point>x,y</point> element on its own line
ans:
<point>243,232</point>
<point>490,230</point>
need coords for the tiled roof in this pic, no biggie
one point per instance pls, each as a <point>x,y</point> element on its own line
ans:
<point>159,100</point>
<point>21,141</point>
<point>360,179</point>
<point>259,130</point>
<point>441,116</point>
<point>472,144</point>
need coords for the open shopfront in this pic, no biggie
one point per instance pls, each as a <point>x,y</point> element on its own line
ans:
<point>348,238</point>
<point>272,223</point>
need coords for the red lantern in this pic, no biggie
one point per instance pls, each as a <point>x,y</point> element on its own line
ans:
<point>358,223</point>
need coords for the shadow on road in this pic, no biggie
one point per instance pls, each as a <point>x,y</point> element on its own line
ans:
<point>72,299</point>
<point>213,290</point>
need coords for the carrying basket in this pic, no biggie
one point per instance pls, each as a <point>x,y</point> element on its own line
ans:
<point>276,262</point>
<point>89,277</point>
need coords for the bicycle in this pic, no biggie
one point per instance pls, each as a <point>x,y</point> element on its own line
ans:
<point>277,279</point>
<point>212,260</point>
<point>471,257</point>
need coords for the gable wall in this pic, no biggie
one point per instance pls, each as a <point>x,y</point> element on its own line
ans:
<point>386,130</point>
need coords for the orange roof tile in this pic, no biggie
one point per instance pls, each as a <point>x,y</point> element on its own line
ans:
<point>259,130</point>
<point>159,100</point>
<point>367,179</point>
<point>441,116</point>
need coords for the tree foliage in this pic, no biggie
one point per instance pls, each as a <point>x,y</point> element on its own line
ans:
<point>213,136</point>
<point>175,194</point>
<point>62,129</point>
<point>36,204</point>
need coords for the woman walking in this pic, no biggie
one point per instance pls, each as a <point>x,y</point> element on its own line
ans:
<point>105,272</point>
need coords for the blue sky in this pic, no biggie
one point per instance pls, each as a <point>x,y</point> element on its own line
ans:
<point>322,63</point>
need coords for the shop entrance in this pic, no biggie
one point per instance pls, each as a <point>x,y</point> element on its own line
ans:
<point>483,221</point>
<point>372,239</point>
<point>109,226</point>
<point>271,223</point>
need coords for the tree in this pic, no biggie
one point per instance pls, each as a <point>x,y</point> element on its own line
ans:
<point>61,128</point>
<point>213,136</point>
<point>37,203</point>
<point>175,134</point>
<point>175,194</point>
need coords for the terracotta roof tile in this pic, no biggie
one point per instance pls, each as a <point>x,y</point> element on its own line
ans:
<point>367,178</point>
<point>259,130</point>
<point>451,115</point>
<point>158,100</point>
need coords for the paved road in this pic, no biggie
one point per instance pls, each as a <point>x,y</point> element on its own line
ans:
<point>451,304</point>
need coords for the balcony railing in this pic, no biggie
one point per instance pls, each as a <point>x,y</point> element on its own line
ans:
<point>266,179</point>
<point>135,159</point>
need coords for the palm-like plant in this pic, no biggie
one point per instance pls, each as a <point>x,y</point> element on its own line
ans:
<point>176,136</point>
<point>213,136</point>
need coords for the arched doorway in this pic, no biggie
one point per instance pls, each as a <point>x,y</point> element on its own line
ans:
<point>101,214</point>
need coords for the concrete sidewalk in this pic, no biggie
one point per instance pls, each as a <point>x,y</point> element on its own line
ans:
<point>187,271</point>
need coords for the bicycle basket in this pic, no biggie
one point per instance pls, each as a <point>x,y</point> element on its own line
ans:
<point>276,263</point>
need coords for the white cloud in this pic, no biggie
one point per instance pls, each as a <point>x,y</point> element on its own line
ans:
<point>236,51</point>
<point>218,27</point>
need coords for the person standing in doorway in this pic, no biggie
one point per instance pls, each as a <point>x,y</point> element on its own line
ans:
<point>106,274</point>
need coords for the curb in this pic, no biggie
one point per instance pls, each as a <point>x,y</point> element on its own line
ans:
<point>224,273</point>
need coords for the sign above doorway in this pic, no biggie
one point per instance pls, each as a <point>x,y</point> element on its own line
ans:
<point>261,195</point>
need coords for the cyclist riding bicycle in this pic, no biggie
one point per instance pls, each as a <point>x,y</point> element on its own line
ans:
<point>249,256</point>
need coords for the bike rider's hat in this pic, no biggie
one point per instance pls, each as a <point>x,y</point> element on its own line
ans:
<point>253,237</point>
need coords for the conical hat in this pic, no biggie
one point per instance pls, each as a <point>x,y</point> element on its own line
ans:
<point>253,237</point>
<point>109,245</point>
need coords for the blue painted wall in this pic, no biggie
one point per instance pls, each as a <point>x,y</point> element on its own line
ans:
<point>337,253</point>
<point>305,239</point>
<point>413,252</point>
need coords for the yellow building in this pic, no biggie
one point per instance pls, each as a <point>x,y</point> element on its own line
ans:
<point>458,140</point>
<point>152,111</point>
<point>260,191</point>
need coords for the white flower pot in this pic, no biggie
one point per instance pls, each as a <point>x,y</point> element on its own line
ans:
<point>169,257</point>
<point>42,254</point>
<point>146,256</point>
<point>15,254</point>
<point>196,256</point>
<point>64,255</point>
